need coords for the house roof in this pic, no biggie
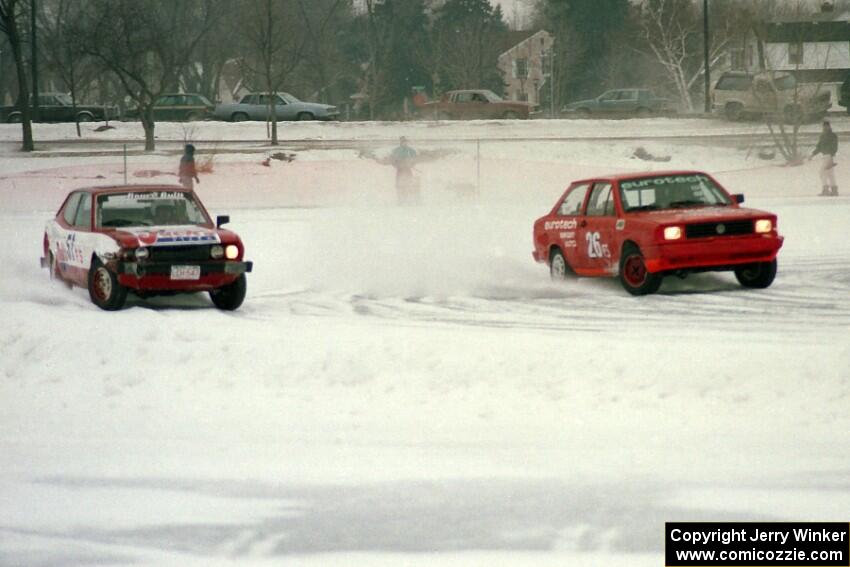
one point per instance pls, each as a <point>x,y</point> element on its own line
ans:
<point>824,25</point>
<point>512,38</point>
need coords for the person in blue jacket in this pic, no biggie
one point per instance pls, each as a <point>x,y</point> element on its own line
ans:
<point>403,158</point>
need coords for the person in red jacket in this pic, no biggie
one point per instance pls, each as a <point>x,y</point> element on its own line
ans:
<point>188,173</point>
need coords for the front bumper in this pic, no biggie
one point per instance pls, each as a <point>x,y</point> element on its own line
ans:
<point>711,253</point>
<point>156,276</point>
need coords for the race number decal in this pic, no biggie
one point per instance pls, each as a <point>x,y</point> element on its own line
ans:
<point>595,248</point>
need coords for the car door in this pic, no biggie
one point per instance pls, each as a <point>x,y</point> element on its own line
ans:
<point>48,109</point>
<point>627,102</point>
<point>284,110</point>
<point>562,225</point>
<point>608,101</point>
<point>462,106</point>
<point>65,245</point>
<point>596,231</point>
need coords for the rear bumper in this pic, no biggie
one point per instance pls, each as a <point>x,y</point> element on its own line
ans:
<point>156,276</point>
<point>708,253</point>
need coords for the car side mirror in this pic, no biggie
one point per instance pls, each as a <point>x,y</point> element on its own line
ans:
<point>221,220</point>
<point>739,198</point>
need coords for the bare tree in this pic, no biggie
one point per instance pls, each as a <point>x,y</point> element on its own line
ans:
<point>147,44</point>
<point>65,52</point>
<point>672,33</point>
<point>9,17</point>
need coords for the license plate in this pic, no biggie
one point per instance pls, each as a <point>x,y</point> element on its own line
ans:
<point>185,272</point>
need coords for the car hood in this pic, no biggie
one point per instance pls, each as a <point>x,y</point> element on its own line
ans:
<point>699,214</point>
<point>168,235</point>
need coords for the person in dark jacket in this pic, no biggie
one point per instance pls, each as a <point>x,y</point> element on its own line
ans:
<point>827,147</point>
<point>188,173</point>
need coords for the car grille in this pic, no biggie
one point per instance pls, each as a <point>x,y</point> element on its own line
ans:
<point>179,253</point>
<point>726,228</point>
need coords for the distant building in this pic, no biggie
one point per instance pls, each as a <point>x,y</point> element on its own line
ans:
<point>815,48</point>
<point>525,65</point>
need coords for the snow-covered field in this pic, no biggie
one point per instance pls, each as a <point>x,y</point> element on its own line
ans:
<point>405,386</point>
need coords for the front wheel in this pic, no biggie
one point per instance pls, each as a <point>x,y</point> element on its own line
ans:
<point>510,115</point>
<point>634,276</point>
<point>239,117</point>
<point>84,117</point>
<point>230,297</point>
<point>15,119</point>
<point>759,275</point>
<point>305,116</point>
<point>104,289</point>
<point>558,268</point>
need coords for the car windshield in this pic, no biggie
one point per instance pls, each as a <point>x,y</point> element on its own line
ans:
<point>65,99</point>
<point>671,192</point>
<point>491,96</point>
<point>148,208</point>
<point>289,98</point>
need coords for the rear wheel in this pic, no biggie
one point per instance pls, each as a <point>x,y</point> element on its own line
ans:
<point>510,115</point>
<point>85,117</point>
<point>643,112</point>
<point>443,116</point>
<point>583,112</point>
<point>733,111</point>
<point>759,275</point>
<point>305,116</point>
<point>15,119</point>
<point>239,117</point>
<point>104,289</point>
<point>634,276</point>
<point>194,116</point>
<point>230,297</point>
<point>558,268</point>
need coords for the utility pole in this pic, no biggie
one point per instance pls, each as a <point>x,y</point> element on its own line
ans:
<point>707,73</point>
<point>34,46</point>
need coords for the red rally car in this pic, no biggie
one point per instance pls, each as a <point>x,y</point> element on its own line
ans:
<point>648,225</point>
<point>153,240</point>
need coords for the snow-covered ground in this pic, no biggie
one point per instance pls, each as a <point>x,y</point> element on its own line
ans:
<point>405,386</point>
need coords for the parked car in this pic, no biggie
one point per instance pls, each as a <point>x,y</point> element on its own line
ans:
<point>147,239</point>
<point>474,104</point>
<point>642,227</point>
<point>738,95</point>
<point>179,107</point>
<point>257,107</point>
<point>620,102</point>
<point>58,107</point>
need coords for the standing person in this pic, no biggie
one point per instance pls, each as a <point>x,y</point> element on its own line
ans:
<point>828,147</point>
<point>188,172</point>
<point>403,159</point>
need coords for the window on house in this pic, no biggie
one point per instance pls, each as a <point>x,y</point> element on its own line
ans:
<point>521,68</point>
<point>795,53</point>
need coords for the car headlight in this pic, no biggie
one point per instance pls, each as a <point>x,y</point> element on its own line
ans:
<point>142,253</point>
<point>763,226</point>
<point>217,252</point>
<point>232,251</point>
<point>673,233</point>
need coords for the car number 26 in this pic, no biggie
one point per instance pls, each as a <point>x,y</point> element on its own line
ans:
<point>595,248</point>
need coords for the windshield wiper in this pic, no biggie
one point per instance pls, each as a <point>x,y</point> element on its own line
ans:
<point>687,203</point>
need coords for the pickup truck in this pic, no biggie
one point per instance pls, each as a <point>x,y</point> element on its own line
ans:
<point>58,107</point>
<point>737,95</point>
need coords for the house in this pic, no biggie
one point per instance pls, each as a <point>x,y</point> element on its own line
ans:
<point>815,48</point>
<point>525,65</point>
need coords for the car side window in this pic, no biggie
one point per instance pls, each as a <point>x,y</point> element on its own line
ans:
<point>601,202</point>
<point>280,101</point>
<point>571,205</point>
<point>70,211</point>
<point>83,217</point>
<point>463,97</point>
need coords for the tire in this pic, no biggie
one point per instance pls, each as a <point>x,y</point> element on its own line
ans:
<point>238,117</point>
<point>510,115</point>
<point>15,119</point>
<point>230,297</point>
<point>642,112</point>
<point>194,117</point>
<point>558,267</point>
<point>633,274</point>
<point>443,116</point>
<point>733,111</point>
<point>758,276</point>
<point>84,117</point>
<point>305,116</point>
<point>104,289</point>
<point>583,112</point>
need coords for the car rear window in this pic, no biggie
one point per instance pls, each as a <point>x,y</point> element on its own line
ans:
<point>734,83</point>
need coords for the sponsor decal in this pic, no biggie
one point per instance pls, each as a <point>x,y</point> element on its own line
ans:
<point>595,247</point>
<point>182,236</point>
<point>563,224</point>
<point>667,180</point>
<point>569,239</point>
